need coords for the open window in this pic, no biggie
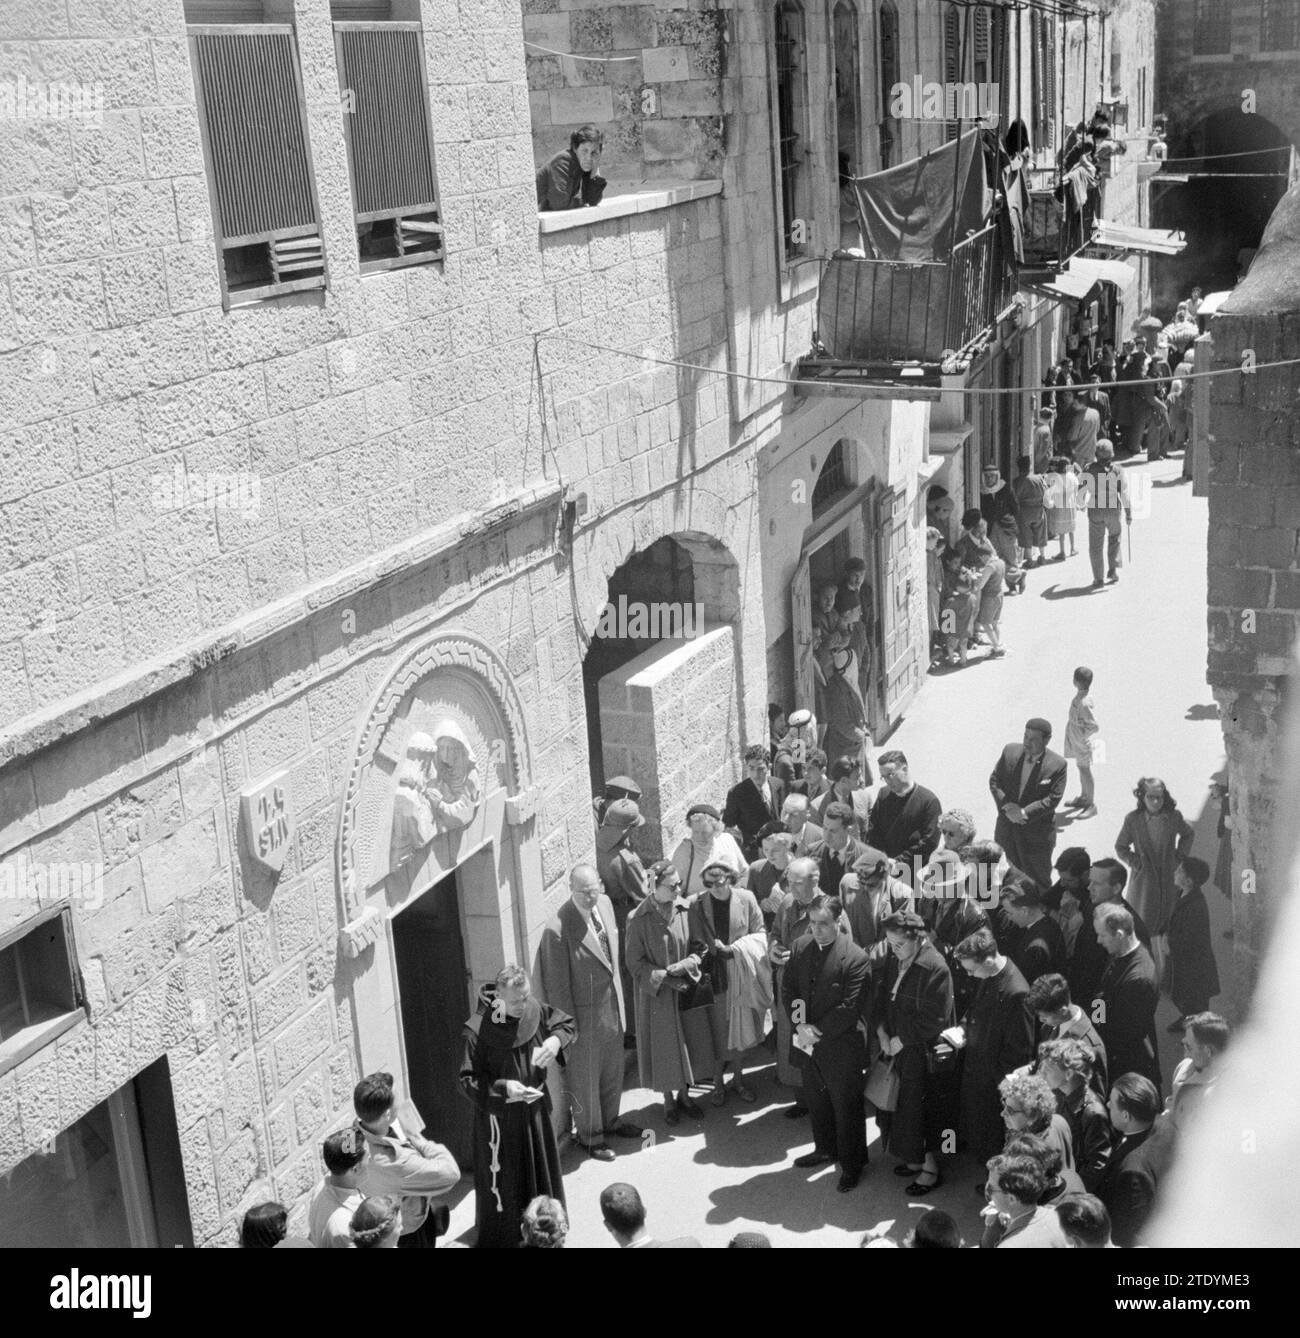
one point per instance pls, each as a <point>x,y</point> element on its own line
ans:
<point>792,121</point>
<point>40,993</point>
<point>390,145</point>
<point>259,167</point>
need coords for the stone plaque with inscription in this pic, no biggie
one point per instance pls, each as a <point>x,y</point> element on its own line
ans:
<point>267,818</point>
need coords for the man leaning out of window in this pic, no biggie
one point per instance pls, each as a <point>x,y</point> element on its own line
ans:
<point>571,179</point>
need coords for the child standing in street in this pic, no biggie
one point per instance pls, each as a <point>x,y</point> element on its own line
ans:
<point>1080,733</point>
<point>1062,503</point>
<point>958,612</point>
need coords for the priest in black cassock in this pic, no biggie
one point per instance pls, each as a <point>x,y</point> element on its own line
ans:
<point>509,1044</point>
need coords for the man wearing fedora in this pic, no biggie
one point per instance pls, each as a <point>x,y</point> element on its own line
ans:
<point>576,973</point>
<point>624,879</point>
<point>1027,785</point>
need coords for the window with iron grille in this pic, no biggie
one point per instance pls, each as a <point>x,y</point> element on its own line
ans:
<point>39,991</point>
<point>1212,28</point>
<point>832,482</point>
<point>889,71</point>
<point>1279,25</point>
<point>792,127</point>
<point>390,146</point>
<point>848,114</point>
<point>259,166</point>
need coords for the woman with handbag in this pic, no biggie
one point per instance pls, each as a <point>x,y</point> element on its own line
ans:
<point>725,921</point>
<point>914,1005</point>
<point>659,956</point>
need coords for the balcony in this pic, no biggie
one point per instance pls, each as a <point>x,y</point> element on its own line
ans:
<point>1054,231</point>
<point>902,324</point>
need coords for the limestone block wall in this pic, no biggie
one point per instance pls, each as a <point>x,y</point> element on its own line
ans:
<point>1254,567</point>
<point>363,415</point>
<point>650,76</point>
<point>671,718</point>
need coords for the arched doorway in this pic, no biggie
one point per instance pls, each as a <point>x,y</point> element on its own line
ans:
<point>661,680</point>
<point>435,847</point>
<point>1223,217</point>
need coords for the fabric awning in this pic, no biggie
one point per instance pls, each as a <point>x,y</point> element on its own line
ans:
<point>1212,303</point>
<point>1078,280</point>
<point>1125,237</point>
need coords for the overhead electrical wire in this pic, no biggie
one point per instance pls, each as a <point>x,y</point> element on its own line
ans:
<point>874,387</point>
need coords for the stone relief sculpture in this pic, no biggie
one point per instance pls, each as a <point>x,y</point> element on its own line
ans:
<point>437,789</point>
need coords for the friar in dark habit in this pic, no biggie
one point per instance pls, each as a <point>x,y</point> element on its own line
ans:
<point>510,1042</point>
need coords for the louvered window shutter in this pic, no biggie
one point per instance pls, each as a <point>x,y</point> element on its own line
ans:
<point>951,63</point>
<point>1049,82</point>
<point>255,139</point>
<point>390,148</point>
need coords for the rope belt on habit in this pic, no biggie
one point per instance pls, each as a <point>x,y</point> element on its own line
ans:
<point>494,1143</point>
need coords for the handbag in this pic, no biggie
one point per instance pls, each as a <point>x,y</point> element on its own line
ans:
<point>882,1085</point>
<point>696,993</point>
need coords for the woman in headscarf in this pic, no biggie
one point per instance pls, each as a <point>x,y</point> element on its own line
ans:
<point>998,507</point>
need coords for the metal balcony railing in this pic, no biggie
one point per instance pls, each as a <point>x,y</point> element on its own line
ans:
<point>1053,231</point>
<point>879,316</point>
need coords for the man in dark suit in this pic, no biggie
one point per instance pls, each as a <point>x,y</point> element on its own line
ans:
<point>1106,882</point>
<point>1125,1005</point>
<point>1038,946</point>
<point>624,1215</point>
<point>1027,784</point>
<point>1140,1159</point>
<point>753,803</point>
<point>838,850</point>
<point>904,820</point>
<point>575,973</point>
<point>824,994</point>
<point>997,1035</point>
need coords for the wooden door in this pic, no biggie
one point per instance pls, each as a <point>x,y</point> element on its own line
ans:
<point>900,672</point>
<point>432,982</point>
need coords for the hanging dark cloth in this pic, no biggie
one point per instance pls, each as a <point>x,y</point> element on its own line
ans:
<point>917,210</point>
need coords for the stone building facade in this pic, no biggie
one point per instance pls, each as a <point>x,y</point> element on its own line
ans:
<point>270,567</point>
<point>1254,571</point>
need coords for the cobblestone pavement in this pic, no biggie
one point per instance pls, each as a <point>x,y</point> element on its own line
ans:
<point>1145,641</point>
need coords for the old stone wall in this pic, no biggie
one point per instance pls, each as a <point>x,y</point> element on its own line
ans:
<point>1254,564</point>
<point>650,76</point>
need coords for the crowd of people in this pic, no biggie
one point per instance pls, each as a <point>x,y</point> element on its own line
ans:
<point>985,999</point>
<point>1069,466</point>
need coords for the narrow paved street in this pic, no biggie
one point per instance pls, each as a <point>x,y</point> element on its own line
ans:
<point>1145,641</point>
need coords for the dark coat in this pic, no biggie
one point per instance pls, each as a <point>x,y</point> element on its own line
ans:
<point>999,1038</point>
<point>954,921</point>
<point>917,1014</point>
<point>1131,1180</point>
<point>1091,1134</point>
<point>835,1004</point>
<point>527,1162</point>
<point>562,184</point>
<point>746,812</point>
<point>1193,972</point>
<point>1044,787</point>
<point>834,865</point>
<point>1039,950</point>
<point>905,831</point>
<point>1089,959</point>
<point>1128,995</point>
